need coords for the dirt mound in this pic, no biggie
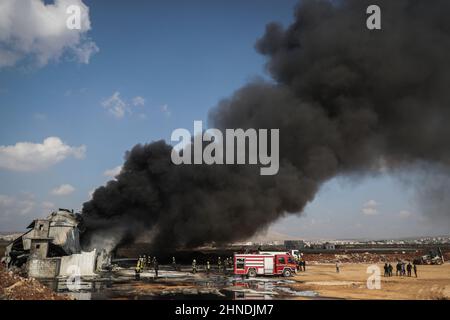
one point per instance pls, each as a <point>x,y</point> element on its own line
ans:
<point>14,287</point>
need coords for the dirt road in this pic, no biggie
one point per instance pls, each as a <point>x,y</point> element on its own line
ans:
<point>433,282</point>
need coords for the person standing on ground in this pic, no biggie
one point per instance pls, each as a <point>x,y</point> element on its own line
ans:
<point>409,268</point>
<point>415,270</point>
<point>194,266</point>
<point>137,270</point>
<point>156,267</point>
<point>386,270</point>
<point>208,267</point>
<point>174,263</point>
<point>390,269</point>
<point>337,267</point>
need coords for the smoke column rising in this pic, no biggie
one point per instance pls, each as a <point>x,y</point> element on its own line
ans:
<point>347,101</point>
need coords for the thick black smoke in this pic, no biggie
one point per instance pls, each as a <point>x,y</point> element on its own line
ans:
<point>346,100</point>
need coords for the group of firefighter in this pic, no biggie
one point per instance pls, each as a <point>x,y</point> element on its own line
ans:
<point>222,266</point>
<point>146,263</point>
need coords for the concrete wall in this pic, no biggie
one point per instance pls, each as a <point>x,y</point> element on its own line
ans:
<point>39,248</point>
<point>41,228</point>
<point>82,263</point>
<point>43,268</point>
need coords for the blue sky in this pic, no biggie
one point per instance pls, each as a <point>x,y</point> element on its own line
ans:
<point>162,65</point>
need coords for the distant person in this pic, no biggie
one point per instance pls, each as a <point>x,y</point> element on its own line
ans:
<point>403,269</point>
<point>390,270</point>
<point>156,267</point>
<point>409,268</point>
<point>415,270</point>
<point>338,266</point>
<point>304,264</point>
<point>208,267</point>
<point>194,266</point>
<point>174,263</point>
<point>144,262</point>
<point>138,270</point>
<point>398,269</point>
<point>386,270</point>
<point>149,260</point>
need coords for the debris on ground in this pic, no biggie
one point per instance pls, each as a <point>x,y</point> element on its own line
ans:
<point>15,287</point>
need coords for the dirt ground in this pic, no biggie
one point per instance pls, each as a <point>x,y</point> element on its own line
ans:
<point>433,282</point>
<point>14,287</point>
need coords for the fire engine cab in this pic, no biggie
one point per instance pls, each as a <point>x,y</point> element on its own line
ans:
<point>264,263</point>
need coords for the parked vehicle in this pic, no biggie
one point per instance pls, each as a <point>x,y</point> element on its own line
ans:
<point>268,263</point>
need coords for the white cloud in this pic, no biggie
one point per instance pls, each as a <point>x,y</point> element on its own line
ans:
<point>370,208</point>
<point>119,107</point>
<point>10,206</point>
<point>165,110</point>
<point>28,156</point>
<point>138,101</point>
<point>35,32</point>
<point>115,105</point>
<point>63,190</point>
<point>17,211</point>
<point>111,173</point>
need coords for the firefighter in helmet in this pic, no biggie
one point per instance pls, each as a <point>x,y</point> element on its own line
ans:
<point>138,269</point>
<point>208,267</point>
<point>194,266</point>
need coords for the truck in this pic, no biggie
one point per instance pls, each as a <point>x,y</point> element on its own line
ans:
<point>434,257</point>
<point>267,263</point>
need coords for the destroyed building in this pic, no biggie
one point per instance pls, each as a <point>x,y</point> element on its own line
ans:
<point>51,248</point>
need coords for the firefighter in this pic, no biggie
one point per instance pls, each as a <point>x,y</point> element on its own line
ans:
<point>174,263</point>
<point>156,267</point>
<point>219,263</point>
<point>194,266</point>
<point>149,260</point>
<point>144,262</point>
<point>137,270</point>
<point>208,267</point>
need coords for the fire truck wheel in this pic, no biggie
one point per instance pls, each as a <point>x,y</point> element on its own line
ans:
<point>251,273</point>
<point>287,273</point>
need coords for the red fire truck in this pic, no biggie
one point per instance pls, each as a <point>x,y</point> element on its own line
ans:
<point>267,263</point>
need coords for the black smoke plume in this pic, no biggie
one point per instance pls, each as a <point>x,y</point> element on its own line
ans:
<point>347,101</point>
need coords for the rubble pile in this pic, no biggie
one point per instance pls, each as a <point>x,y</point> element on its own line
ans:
<point>15,287</point>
